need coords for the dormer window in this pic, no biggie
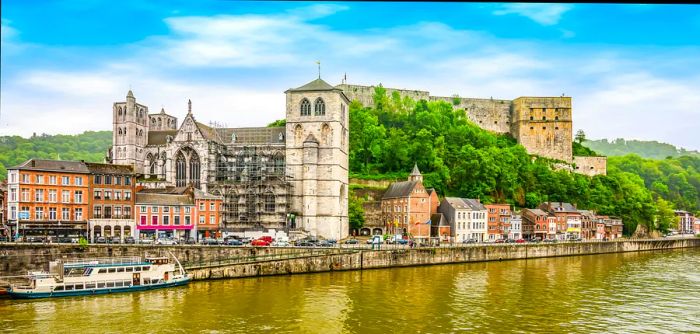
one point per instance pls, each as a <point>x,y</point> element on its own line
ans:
<point>319,107</point>
<point>305,107</point>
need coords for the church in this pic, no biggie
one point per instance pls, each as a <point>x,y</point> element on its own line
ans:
<point>292,178</point>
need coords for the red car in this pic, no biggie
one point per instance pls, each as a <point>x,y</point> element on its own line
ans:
<point>266,238</point>
<point>260,242</point>
<point>520,241</point>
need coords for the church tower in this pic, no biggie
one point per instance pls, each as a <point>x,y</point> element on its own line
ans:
<point>317,143</point>
<point>130,132</point>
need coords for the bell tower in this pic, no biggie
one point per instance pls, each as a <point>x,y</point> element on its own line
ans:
<point>130,132</point>
<point>317,141</point>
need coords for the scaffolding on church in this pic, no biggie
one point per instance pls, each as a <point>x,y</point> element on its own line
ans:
<point>252,181</point>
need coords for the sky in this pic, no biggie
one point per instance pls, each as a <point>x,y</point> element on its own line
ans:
<point>633,70</point>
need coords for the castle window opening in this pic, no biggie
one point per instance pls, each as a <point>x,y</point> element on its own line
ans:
<point>544,128</point>
<point>305,107</point>
<point>532,118</point>
<point>544,118</point>
<point>319,107</point>
<point>556,128</point>
<point>556,118</point>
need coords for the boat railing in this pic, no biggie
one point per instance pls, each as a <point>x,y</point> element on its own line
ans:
<point>104,260</point>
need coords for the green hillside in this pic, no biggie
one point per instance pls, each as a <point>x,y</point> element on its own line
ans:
<point>644,149</point>
<point>89,146</point>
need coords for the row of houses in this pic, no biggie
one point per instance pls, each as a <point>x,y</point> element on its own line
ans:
<point>409,208</point>
<point>51,199</point>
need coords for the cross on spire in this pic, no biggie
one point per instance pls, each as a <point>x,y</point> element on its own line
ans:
<point>189,106</point>
<point>318,62</point>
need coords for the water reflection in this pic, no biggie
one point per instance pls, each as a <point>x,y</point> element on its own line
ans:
<point>615,293</point>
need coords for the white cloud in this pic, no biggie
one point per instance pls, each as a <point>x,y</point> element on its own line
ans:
<point>544,14</point>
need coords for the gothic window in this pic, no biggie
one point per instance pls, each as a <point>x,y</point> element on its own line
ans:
<point>326,134</point>
<point>124,131</point>
<point>298,133</point>
<point>280,137</point>
<point>163,164</point>
<point>319,107</point>
<point>194,169</point>
<point>233,137</point>
<point>342,113</point>
<point>279,164</point>
<point>305,107</point>
<point>153,121</point>
<point>120,131</point>
<point>269,202</point>
<point>180,170</point>
<point>556,118</point>
<point>160,123</point>
<point>119,111</point>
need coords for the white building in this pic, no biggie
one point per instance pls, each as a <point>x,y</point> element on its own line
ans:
<point>467,218</point>
<point>516,227</point>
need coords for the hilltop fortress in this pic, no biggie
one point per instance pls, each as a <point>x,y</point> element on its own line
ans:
<point>543,125</point>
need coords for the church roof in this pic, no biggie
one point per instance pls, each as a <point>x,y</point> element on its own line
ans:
<point>400,189</point>
<point>415,171</point>
<point>252,136</point>
<point>159,137</point>
<point>208,132</point>
<point>316,85</point>
<point>98,168</point>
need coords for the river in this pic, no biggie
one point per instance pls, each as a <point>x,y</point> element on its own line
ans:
<point>653,292</point>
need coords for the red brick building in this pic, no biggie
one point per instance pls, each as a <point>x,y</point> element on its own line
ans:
<point>498,220</point>
<point>407,206</point>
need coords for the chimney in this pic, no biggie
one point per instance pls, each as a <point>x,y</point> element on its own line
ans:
<point>33,163</point>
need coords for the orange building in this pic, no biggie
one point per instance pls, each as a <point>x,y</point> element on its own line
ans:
<point>208,214</point>
<point>498,220</point>
<point>407,206</point>
<point>48,199</point>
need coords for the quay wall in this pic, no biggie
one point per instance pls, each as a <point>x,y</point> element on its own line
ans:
<point>202,260</point>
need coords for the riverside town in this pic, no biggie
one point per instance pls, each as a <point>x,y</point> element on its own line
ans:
<point>323,167</point>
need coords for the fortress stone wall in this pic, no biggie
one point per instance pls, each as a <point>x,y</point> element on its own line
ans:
<point>543,125</point>
<point>591,165</point>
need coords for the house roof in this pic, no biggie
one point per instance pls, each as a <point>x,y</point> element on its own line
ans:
<point>560,206</point>
<point>465,203</point>
<point>96,168</point>
<point>537,212</point>
<point>400,189</point>
<point>163,199</point>
<point>166,190</point>
<point>438,219</point>
<point>160,137</point>
<point>315,85</point>
<point>53,166</point>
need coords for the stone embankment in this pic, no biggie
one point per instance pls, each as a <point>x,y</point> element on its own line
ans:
<point>208,262</point>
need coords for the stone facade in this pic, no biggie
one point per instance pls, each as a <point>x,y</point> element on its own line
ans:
<point>543,125</point>
<point>292,177</point>
<point>591,165</point>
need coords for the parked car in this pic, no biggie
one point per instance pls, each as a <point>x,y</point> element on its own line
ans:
<point>129,240</point>
<point>260,242</point>
<point>470,241</point>
<point>190,241</point>
<point>100,240</point>
<point>114,240</point>
<point>266,238</point>
<point>351,242</point>
<point>280,243</point>
<point>324,243</point>
<point>166,241</point>
<point>499,241</point>
<point>510,241</point>
<point>520,241</point>
<point>209,241</point>
<point>550,240</point>
<point>233,242</point>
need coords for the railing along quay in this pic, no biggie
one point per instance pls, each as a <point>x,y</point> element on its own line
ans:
<point>312,252</point>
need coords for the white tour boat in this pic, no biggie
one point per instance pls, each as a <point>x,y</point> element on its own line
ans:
<point>81,277</point>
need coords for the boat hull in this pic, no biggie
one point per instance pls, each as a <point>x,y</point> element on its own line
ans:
<point>85,292</point>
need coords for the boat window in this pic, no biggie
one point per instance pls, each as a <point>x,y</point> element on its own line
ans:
<point>146,268</point>
<point>127,283</point>
<point>129,269</point>
<point>88,271</point>
<point>112,270</point>
<point>119,283</point>
<point>146,281</point>
<point>102,271</point>
<point>69,287</point>
<point>110,284</point>
<point>120,269</point>
<point>137,269</point>
<point>101,285</point>
<point>90,286</point>
<point>58,288</point>
<point>78,286</point>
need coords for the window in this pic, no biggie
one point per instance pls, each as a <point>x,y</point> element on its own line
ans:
<point>176,220</point>
<point>187,221</point>
<point>52,213</point>
<point>127,195</point>
<point>143,209</point>
<point>127,212</point>
<point>108,212</point>
<point>65,214</point>
<point>305,107</point>
<point>78,214</point>
<point>39,213</point>
<point>108,195</point>
<point>201,219</point>
<point>117,195</point>
<point>98,194</point>
<point>98,179</point>
<point>25,194</point>
<point>176,209</point>
<point>201,206</point>
<point>154,209</point>
<point>319,107</point>
<point>78,196</point>
<point>154,220</point>
<point>187,209</point>
<point>97,212</point>
<point>127,180</point>
<point>52,179</point>
<point>39,195</point>
<point>118,180</point>
<point>65,196</point>
<point>142,221</point>
<point>39,179</point>
<point>166,220</point>
<point>212,206</point>
<point>166,209</point>
<point>25,178</point>
<point>118,212</point>
<point>78,181</point>
<point>53,196</point>
<point>108,179</point>
<point>212,220</point>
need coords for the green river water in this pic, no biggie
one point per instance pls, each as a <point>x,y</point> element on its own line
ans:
<point>648,292</point>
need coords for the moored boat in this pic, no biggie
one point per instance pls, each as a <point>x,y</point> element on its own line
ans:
<point>101,276</point>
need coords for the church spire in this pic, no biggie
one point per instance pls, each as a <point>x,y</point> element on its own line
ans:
<point>189,106</point>
<point>415,174</point>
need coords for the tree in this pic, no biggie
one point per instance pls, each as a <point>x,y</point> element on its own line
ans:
<point>580,136</point>
<point>356,213</point>
<point>279,122</point>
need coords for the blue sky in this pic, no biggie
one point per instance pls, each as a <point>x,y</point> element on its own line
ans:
<point>633,70</point>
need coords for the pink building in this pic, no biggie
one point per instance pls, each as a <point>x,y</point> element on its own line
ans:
<point>165,215</point>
